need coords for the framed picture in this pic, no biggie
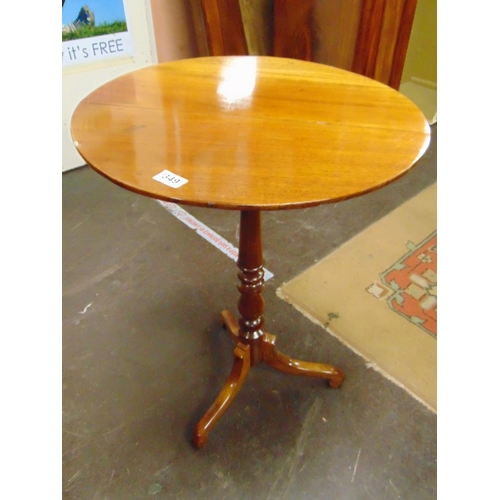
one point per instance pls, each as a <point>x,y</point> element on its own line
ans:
<point>94,30</point>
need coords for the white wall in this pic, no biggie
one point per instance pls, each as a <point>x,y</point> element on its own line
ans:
<point>80,80</point>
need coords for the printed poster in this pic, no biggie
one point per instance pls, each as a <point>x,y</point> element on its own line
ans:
<point>94,30</point>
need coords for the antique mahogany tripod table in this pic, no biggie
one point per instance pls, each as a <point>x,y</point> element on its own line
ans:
<point>249,134</point>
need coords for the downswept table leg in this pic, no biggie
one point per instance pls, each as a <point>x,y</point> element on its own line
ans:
<point>231,324</point>
<point>278,360</point>
<point>273,357</point>
<point>238,374</point>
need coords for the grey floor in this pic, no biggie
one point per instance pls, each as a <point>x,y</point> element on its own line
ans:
<point>144,355</point>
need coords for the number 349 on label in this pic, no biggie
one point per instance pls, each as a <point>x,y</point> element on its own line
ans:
<point>170,179</point>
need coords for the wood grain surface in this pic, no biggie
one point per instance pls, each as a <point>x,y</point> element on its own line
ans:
<point>249,133</point>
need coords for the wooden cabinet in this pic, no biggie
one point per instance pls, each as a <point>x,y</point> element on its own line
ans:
<point>369,37</point>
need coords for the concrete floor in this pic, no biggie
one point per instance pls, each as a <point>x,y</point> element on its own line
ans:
<point>144,355</point>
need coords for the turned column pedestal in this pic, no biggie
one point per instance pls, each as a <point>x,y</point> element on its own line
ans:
<point>253,343</point>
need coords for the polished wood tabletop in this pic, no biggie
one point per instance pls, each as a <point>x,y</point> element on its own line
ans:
<point>249,133</point>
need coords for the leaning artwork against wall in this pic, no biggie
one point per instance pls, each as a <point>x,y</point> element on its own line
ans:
<point>94,30</point>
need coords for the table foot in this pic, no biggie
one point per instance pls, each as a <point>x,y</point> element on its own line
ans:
<point>280,361</point>
<point>238,375</point>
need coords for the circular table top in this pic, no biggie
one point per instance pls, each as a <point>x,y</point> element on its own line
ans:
<point>248,132</point>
